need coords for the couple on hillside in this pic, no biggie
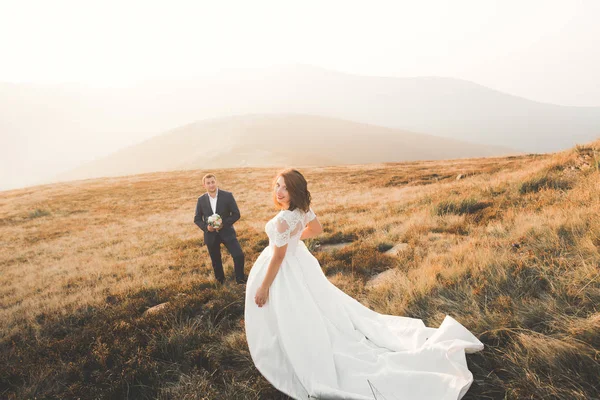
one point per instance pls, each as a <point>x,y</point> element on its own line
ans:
<point>311,340</point>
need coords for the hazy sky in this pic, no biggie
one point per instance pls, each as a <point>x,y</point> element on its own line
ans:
<point>541,49</point>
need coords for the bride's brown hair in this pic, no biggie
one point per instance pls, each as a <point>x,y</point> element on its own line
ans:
<point>297,188</point>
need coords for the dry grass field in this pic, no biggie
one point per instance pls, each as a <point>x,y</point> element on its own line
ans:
<point>511,250</point>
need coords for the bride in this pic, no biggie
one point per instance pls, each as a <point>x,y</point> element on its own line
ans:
<point>312,341</point>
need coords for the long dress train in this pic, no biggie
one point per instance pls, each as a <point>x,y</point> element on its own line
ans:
<point>311,340</point>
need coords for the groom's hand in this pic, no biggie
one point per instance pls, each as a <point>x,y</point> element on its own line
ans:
<point>210,228</point>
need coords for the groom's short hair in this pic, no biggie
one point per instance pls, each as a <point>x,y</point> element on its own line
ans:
<point>205,177</point>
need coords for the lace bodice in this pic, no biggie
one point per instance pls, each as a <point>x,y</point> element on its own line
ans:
<point>286,228</point>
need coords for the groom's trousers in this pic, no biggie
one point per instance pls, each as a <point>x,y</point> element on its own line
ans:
<point>234,248</point>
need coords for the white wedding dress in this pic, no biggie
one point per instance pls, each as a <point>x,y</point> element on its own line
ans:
<point>311,340</point>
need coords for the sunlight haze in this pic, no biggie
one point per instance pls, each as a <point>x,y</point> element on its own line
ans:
<point>82,80</point>
<point>542,50</point>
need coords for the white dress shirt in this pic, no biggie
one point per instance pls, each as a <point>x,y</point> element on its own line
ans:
<point>213,201</point>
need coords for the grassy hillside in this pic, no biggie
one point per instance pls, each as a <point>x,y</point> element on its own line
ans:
<point>511,250</point>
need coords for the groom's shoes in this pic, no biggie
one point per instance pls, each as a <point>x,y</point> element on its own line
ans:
<point>221,282</point>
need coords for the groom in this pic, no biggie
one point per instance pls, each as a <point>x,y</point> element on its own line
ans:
<point>216,201</point>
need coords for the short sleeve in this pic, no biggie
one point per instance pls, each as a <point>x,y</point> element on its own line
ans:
<point>282,234</point>
<point>310,215</point>
<point>287,225</point>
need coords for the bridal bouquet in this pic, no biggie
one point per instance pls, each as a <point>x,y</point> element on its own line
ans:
<point>215,221</point>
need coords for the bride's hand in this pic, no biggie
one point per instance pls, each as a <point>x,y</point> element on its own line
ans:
<point>262,294</point>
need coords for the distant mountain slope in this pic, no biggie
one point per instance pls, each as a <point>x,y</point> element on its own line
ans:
<point>276,140</point>
<point>49,129</point>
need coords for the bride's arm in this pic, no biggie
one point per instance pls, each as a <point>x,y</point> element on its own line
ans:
<point>262,294</point>
<point>313,228</point>
<point>276,260</point>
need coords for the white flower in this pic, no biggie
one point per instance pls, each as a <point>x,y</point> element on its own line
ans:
<point>215,221</point>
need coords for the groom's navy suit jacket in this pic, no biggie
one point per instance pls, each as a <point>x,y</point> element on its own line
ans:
<point>228,210</point>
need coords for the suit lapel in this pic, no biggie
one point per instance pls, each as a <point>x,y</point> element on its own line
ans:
<point>207,206</point>
<point>219,207</point>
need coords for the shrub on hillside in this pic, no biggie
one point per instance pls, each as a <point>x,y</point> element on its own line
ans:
<point>38,213</point>
<point>541,182</point>
<point>465,206</point>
